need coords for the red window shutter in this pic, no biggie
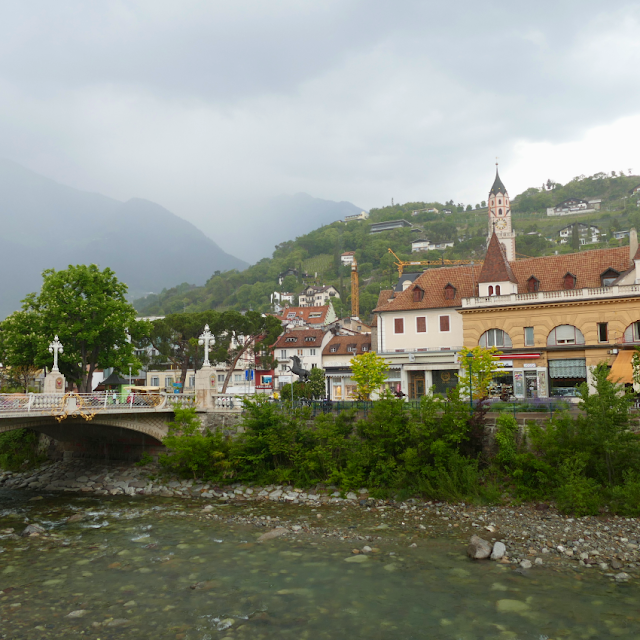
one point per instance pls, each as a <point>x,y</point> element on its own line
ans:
<point>421,324</point>
<point>444,323</point>
<point>399,325</point>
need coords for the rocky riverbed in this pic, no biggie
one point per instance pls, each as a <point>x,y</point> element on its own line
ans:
<point>533,535</point>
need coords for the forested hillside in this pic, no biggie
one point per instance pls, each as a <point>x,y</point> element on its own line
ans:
<point>318,253</point>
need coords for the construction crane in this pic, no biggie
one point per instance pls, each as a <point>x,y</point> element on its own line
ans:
<point>355,290</point>
<point>401,264</point>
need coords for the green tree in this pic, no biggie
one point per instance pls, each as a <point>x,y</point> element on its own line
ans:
<point>369,371</point>
<point>88,310</point>
<point>575,237</point>
<point>175,337</point>
<point>483,369</point>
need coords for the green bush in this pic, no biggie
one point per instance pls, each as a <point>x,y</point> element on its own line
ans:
<point>18,450</point>
<point>577,494</point>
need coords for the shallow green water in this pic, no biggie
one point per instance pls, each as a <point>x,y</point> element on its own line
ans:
<point>132,564</point>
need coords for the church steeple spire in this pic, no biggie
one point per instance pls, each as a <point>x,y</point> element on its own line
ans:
<point>500,217</point>
<point>497,187</point>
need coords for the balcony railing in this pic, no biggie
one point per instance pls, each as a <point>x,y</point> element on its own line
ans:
<point>615,291</point>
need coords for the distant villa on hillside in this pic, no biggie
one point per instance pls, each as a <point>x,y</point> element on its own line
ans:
<point>573,206</point>
<point>363,215</point>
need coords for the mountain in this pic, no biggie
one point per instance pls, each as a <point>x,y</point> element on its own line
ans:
<point>49,225</point>
<point>318,251</point>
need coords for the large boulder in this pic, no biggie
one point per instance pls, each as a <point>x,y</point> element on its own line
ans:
<point>478,548</point>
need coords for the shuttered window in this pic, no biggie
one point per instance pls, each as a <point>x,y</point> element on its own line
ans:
<point>421,324</point>
<point>398,324</point>
<point>444,323</point>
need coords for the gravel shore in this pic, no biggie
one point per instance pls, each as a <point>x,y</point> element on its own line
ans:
<point>532,534</point>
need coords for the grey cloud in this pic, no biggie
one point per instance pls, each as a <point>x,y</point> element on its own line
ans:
<point>208,107</point>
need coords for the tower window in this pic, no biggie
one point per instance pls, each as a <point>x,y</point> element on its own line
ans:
<point>499,201</point>
<point>499,212</point>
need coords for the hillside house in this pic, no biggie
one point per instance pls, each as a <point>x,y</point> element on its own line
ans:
<point>363,215</point>
<point>588,234</point>
<point>348,257</point>
<point>574,206</point>
<point>379,227</point>
<point>314,296</point>
<point>314,317</point>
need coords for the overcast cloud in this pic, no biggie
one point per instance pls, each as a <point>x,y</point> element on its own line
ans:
<point>203,106</point>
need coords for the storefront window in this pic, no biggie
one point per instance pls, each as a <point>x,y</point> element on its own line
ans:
<point>337,392</point>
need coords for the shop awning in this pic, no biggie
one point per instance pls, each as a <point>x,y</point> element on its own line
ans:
<point>622,369</point>
<point>569,368</point>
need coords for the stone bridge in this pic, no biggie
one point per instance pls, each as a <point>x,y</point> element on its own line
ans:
<point>102,425</point>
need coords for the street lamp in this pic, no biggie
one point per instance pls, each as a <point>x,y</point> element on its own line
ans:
<point>469,364</point>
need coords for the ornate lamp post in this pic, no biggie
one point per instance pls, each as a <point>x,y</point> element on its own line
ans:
<point>55,347</point>
<point>207,339</point>
<point>469,364</point>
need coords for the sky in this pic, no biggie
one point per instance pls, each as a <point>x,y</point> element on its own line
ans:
<point>206,107</point>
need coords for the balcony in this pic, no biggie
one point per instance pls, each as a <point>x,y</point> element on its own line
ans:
<point>568,295</point>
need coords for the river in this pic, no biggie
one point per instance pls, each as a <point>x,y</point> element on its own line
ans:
<point>146,567</point>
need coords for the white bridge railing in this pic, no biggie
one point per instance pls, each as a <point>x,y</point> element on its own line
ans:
<point>88,403</point>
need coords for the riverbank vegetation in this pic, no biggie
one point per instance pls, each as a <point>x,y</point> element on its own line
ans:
<point>586,461</point>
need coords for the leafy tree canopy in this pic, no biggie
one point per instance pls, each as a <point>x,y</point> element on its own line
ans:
<point>369,371</point>
<point>87,309</point>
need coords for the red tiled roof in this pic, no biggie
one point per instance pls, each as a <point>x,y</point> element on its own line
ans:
<point>343,342</point>
<point>303,338</point>
<point>433,282</point>
<point>587,266</point>
<point>496,267</point>
<point>303,314</point>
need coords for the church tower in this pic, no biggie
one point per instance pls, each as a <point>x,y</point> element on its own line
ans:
<point>500,218</point>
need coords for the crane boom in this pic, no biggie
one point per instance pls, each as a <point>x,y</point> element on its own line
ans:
<point>401,264</point>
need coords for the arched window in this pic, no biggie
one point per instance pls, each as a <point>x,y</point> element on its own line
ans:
<point>632,332</point>
<point>569,281</point>
<point>499,201</point>
<point>495,338</point>
<point>565,334</point>
<point>418,294</point>
<point>497,289</point>
<point>499,212</point>
<point>533,284</point>
<point>490,290</point>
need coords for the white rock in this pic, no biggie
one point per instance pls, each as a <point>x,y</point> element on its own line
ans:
<point>77,614</point>
<point>498,551</point>
<point>525,564</point>
<point>351,496</point>
<point>538,561</point>
<point>622,576</point>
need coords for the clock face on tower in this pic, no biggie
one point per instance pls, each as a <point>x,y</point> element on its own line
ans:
<point>501,225</point>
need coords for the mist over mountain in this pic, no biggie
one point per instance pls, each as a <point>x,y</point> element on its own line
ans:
<point>271,221</point>
<point>49,225</point>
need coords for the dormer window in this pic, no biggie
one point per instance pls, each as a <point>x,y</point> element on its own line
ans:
<point>366,347</point>
<point>490,289</point>
<point>352,348</point>
<point>310,339</point>
<point>533,284</point>
<point>333,348</point>
<point>609,277</point>
<point>418,294</point>
<point>291,339</point>
<point>569,281</point>
<point>449,292</point>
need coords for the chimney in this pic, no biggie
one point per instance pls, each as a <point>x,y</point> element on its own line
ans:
<point>633,243</point>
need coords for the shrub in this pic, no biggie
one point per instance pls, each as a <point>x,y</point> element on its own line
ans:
<point>577,494</point>
<point>18,449</point>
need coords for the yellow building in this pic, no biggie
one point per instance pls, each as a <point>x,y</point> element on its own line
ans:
<point>554,317</point>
